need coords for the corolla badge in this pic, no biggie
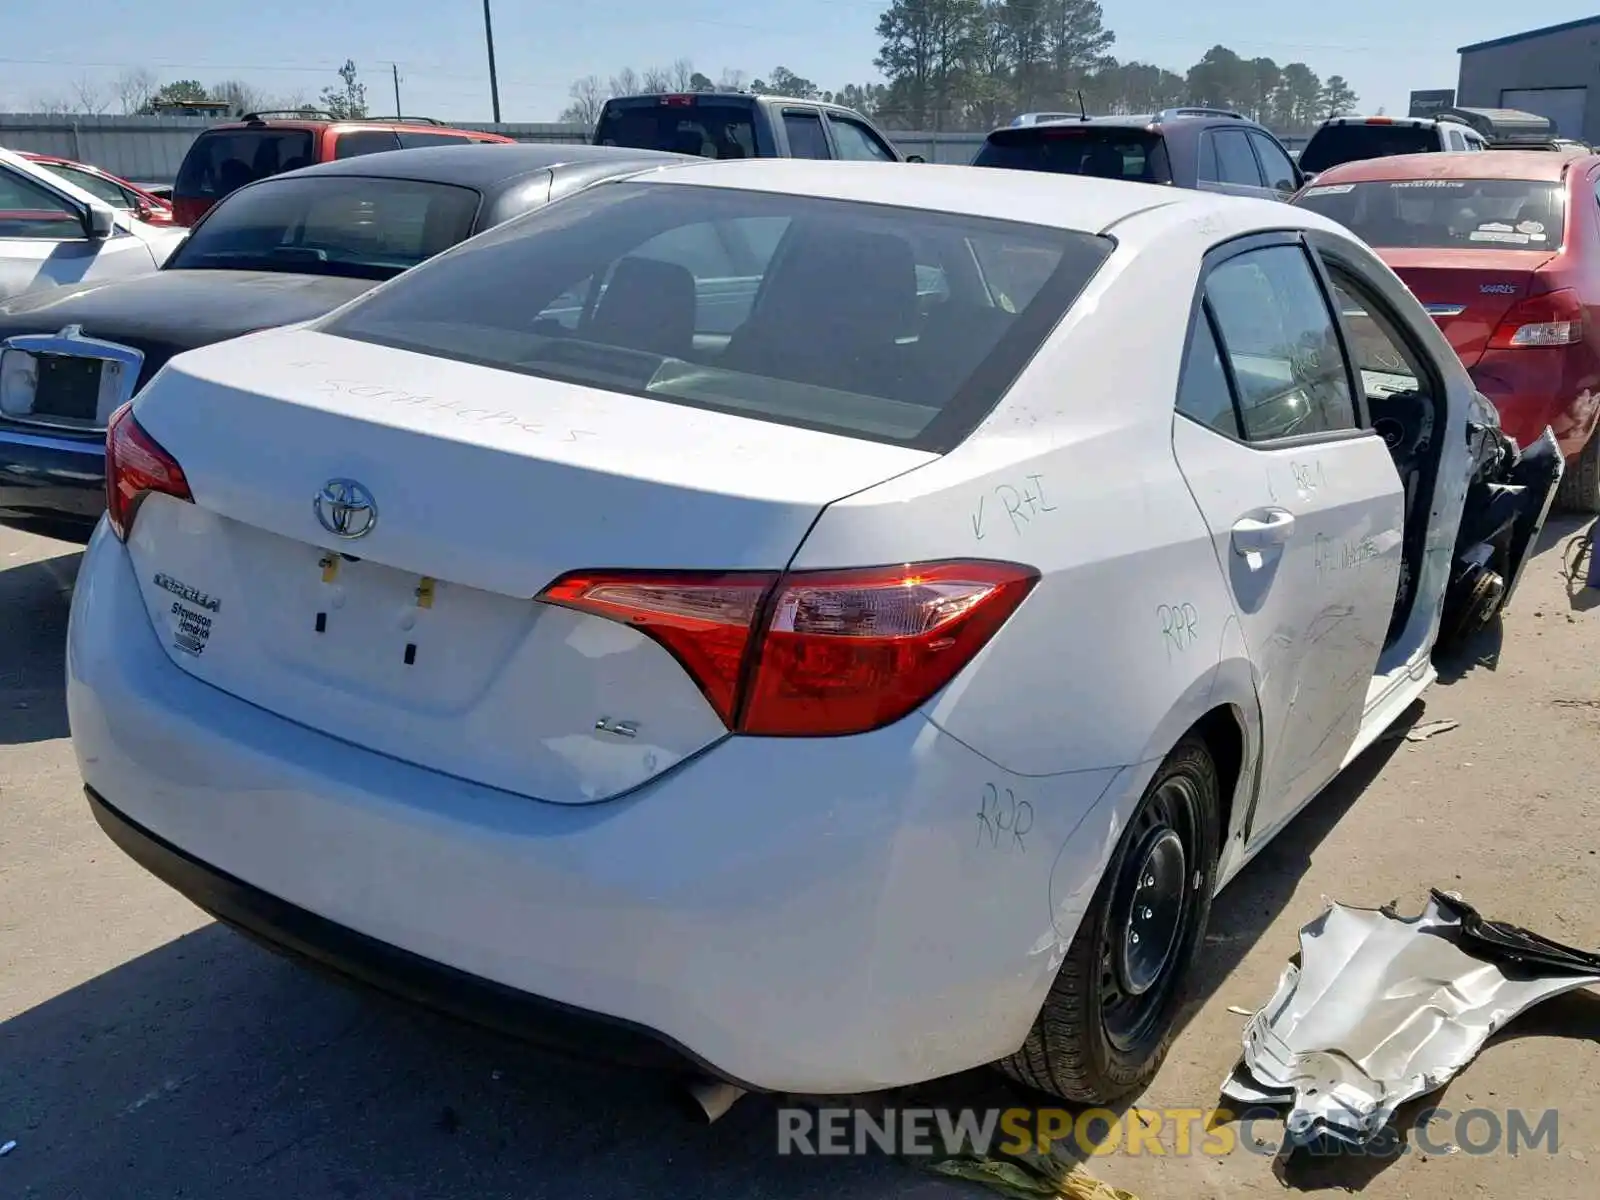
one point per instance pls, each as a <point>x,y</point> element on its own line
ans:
<point>1498,289</point>
<point>345,508</point>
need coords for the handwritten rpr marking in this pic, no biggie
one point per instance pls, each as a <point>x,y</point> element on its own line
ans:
<point>1022,504</point>
<point>1003,820</point>
<point>1178,623</point>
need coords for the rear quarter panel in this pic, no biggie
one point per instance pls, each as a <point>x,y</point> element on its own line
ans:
<point>1129,636</point>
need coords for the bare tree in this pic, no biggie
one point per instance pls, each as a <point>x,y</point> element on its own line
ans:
<point>87,96</point>
<point>656,79</point>
<point>51,104</point>
<point>589,96</point>
<point>133,89</point>
<point>732,80</point>
<point>682,75</point>
<point>625,82</point>
<point>242,97</point>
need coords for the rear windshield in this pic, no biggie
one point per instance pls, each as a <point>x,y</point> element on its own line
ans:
<point>1078,150</point>
<point>891,324</point>
<point>707,130</point>
<point>1479,214</point>
<point>333,225</point>
<point>222,160</point>
<point>1335,144</point>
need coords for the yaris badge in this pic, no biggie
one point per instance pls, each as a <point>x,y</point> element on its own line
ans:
<point>345,509</point>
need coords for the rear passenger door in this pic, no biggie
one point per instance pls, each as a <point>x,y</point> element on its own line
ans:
<point>802,129</point>
<point>1229,165</point>
<point>1302,500</point>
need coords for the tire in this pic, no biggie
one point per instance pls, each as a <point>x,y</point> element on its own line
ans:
<point>1580,485</point>
<point>1081,1048</point>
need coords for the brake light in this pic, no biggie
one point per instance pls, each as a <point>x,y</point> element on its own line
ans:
<point>1379,121</point>
<point>677,101</point>
<point>1550,319</point>
<point>136,465</point>
<point>811,653</point>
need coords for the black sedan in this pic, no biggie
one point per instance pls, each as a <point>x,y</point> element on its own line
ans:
<point>284,250</point>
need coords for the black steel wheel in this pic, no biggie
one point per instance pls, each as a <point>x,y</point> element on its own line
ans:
<point>1106,1025</point>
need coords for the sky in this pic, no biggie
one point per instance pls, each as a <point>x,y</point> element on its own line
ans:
<point>1383,47</point>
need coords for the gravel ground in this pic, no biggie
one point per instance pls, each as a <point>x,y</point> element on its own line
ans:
<point>144,1051</point>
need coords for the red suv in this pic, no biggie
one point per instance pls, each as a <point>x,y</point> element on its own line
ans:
<point>226,157</point>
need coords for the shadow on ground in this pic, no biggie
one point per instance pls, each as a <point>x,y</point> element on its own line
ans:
<point>34,600</point>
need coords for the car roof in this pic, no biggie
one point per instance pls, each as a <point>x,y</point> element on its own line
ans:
<point>312,123</point>
<point>639,99</point>
<point>1538,165</point>
<point>1378,120</point>
<point>1059,201</point>
<point>485,164</point>
<point>1150,122</point>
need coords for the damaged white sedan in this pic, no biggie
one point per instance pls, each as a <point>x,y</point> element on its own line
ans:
<point>835,624</point>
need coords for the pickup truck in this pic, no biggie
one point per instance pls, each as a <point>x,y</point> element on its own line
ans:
<point>742,125</point>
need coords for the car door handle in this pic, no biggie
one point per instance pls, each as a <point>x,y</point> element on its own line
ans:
<point>1252,535</point>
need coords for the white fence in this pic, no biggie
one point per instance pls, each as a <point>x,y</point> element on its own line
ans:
<point>150,149</point>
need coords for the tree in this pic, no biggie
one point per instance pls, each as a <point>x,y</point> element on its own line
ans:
<point>656,79</point>
<point>625,83</point>
<point>348,101</point>
<point>243,97</point>
<point>700,83</point>
<point>732,80</point>
<point>133,89</point>
<point>588,98</point>
<point>925,45</point>
<point>681,75</point>
<point>53,105</point>
<point>1337,97</point>
<point>1299,98</point>
<point>87,96</point>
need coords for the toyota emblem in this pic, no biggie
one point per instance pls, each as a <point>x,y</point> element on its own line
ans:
<point>345,509</point>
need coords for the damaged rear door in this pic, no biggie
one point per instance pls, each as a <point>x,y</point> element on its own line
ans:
<point>1303,503</point>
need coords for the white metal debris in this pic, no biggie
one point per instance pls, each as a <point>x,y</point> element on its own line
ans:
<point>1381,1008</point>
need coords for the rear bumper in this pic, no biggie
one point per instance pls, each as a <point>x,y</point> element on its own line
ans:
<point>1535,388</point>
<point>354,957</point>
<point>804,915</point>
<point>51,484</point>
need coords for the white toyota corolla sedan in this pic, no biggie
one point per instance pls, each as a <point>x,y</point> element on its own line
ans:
<point>838,623</point>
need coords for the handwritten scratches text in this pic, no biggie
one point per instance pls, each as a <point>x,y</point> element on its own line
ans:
<point>1021,504</point>
<point>1178,626</point>
<point>1003,820</point>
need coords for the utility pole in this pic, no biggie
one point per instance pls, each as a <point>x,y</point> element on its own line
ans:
<point>494,82</point>
<point>395,68</point>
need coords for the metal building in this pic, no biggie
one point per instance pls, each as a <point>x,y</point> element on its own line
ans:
<point>1550,71</point>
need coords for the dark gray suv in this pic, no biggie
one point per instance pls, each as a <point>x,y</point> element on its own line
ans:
<point>1211,149</point>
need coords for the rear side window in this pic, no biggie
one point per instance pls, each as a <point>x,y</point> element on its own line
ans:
<point>1335,144</point>
<point>221,161</point>
<point>1281,344</point>
<point>1103,152</point>
<point>858,319</point>
<point>411,140</point>
<point>331,225</point>
<point>95,185</point>
<point>806,139</point>
<point>1482,214</point>
<point>1235,158</point>
<point>365,141</point>
<point>707,130</point>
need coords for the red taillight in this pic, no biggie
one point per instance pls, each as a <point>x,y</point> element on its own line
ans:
<point>136,465</point>
<point>812,652</point>
<point>1378,121</point>
<point>678,101</point>
<point>1551,319</point>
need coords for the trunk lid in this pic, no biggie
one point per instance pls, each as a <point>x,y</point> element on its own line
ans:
<point>1468,292</point>
<point>421,639</point>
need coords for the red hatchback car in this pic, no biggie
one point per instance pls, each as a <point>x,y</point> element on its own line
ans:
<point>118,193</point>
<point>1503,248</point>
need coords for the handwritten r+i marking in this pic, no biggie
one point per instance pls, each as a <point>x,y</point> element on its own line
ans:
<point>1021,505</point>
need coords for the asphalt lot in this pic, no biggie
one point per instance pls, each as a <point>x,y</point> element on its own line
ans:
<point>147,1052</point>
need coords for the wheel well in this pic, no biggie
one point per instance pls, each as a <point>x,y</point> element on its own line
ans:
<point>1224,737</point>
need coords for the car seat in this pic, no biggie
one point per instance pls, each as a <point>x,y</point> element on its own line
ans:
<point>648,305</point>
<point>832,311</point>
